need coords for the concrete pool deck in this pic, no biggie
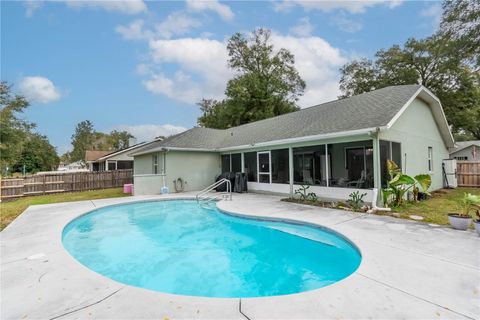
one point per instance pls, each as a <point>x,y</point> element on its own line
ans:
<point>408,270</point>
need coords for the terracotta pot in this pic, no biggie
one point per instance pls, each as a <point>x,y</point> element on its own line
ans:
<point>459,222</point>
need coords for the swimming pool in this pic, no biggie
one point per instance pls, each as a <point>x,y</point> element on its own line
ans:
<point>178,247</point>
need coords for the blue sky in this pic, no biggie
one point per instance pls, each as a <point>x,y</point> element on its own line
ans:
<point>141,66</point>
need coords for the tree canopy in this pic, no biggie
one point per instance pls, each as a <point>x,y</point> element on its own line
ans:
<point>266,83</point>
<point>86,138</point>
<point>19,145</point>
<point>446,63</point>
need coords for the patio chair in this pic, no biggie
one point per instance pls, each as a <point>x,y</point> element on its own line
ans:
<point>360,182</point>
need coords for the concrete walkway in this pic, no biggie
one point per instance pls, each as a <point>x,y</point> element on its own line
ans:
<point>408,270</point>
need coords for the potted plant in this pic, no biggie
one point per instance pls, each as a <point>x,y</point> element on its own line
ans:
<point>461,221</point>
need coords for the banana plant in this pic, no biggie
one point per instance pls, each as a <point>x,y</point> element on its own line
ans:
<point>399,184</point>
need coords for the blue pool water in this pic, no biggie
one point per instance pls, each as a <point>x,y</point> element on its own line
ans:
<point>178,247</point>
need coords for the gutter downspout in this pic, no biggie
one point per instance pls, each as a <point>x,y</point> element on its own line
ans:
<point>164,188</point>
<point>377,178</point>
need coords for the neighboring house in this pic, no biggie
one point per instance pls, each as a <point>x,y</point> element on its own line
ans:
<point>74,166</point>
<point>466,150</point>
<point>336,147</point>
<point>91,157</point>
<point>113,160</point>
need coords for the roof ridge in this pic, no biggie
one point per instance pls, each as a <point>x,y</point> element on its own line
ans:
<point>325,103</point>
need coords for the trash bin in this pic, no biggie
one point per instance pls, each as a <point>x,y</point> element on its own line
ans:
<point>128,188</point>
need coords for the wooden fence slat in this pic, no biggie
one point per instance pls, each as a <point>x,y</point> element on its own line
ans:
<point>63,182</point>
<point>468,174</point>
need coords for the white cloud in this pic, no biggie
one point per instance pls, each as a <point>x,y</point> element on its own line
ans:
<point>31,6</point>
<point>39,89</point>
<point>122,6</point>
<point>222,10</point>
<point>175,24</point>
<point>354,6</point>
<point>346,24</point>
<point>317,63</point>
<point>201,68</point>
<point>303,29</point>
<point>147,132</point>
<point>134,31</point>
<point>434,13</point>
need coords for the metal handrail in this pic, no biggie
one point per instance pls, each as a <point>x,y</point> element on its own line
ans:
<point>202,195</point>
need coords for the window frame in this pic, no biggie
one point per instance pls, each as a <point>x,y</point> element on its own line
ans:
<point>430,159</point>
<point>155,163</point>
<point>269,173</point>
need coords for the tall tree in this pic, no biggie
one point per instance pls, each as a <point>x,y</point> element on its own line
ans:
<point>82,140</point>
<point>86,138</point>
<point>266,83</point>
<point>444,63</point>
<point>461,22</point>
<point>13,129</point>
<point>119,139</point>
<point>37,155</point>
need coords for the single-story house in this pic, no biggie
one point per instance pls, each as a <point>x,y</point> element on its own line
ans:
<point>466,151</point>
<point>113,160</point>
<point>335,147</point>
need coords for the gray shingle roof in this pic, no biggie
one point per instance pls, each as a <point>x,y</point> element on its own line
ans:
<point>367,110</point>
<point>460,145</point>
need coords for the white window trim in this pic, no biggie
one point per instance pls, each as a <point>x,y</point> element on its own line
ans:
<point>269,166</point>
<point>155,163</point>
<point>430,159</point>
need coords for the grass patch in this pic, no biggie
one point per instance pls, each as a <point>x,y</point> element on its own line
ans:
<point>436,208</point>
<point>12,209</point>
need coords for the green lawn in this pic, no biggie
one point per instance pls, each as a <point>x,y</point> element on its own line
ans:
<point>436,208</point>
<point>12,209</point>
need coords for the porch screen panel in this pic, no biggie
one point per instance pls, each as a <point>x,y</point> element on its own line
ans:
<point>236,162</point>
<point>250,162</point>
<point>309,165</point>
<point>226,163</point>
<point>389,150</point>
<point>124,164</point>
<point>351,164</point>
<point>280,166</point>
<point>397,153</point>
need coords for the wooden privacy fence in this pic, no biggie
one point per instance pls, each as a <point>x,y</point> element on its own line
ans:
<point>468,174</point>
<point>63,182</point>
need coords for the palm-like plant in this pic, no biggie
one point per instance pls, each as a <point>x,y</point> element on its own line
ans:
<point>400,184</point>
<point>470,203</point>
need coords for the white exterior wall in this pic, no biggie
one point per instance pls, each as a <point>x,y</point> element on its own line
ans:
<point>324,193</point>
<point>197,169</point>
<point>417,130</point>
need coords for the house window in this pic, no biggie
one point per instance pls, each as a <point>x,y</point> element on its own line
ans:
<point>155,163</point>
<point>461,158</point>
<point>112,166</point>
<point>430,159</point>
